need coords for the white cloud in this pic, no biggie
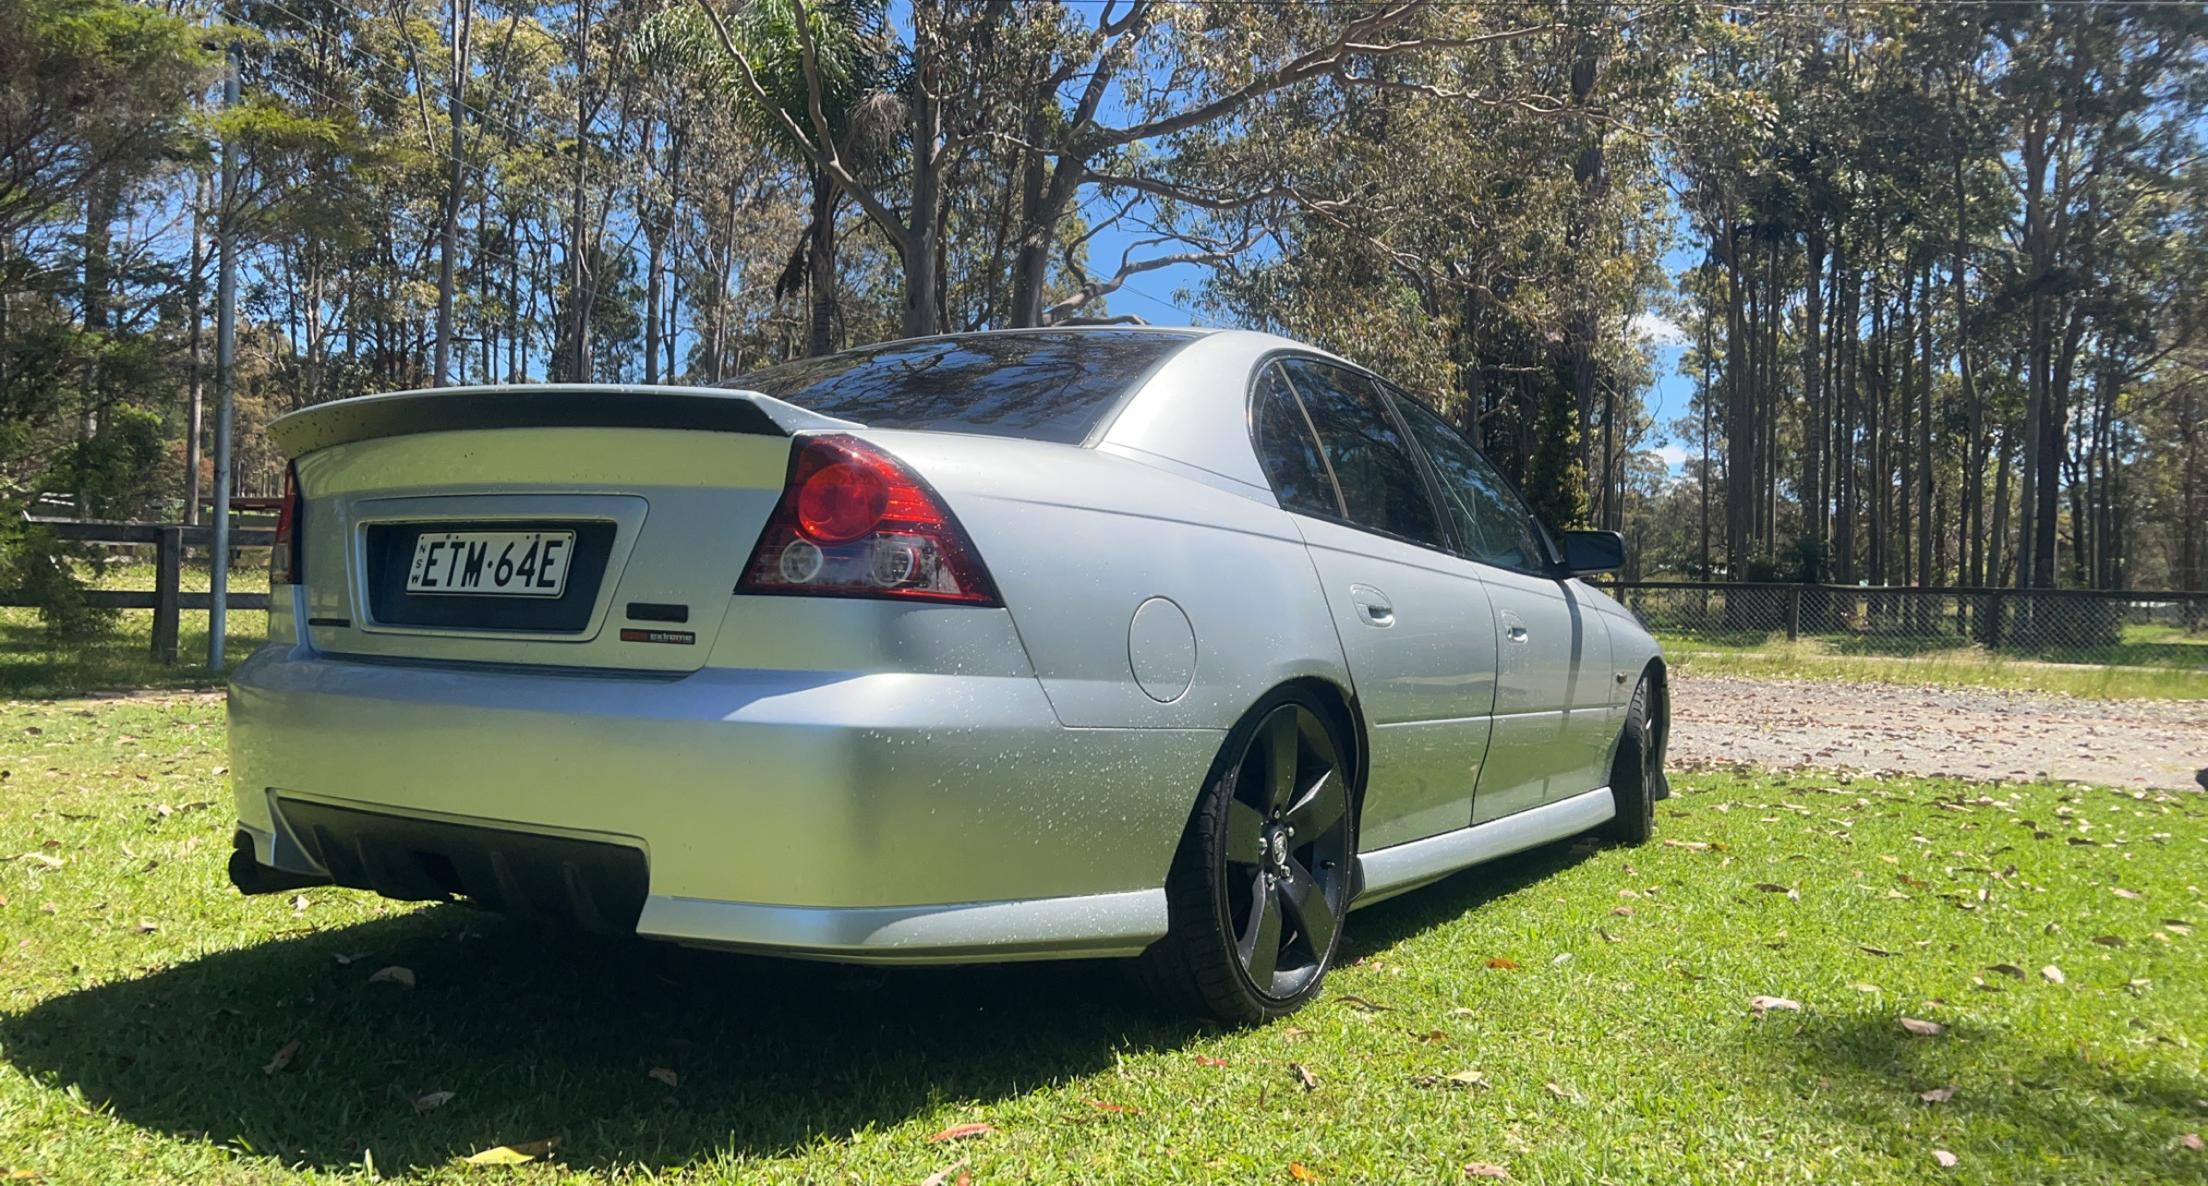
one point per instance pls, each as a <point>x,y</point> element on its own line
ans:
<point>1651,328</point>
<point>1674,456</point>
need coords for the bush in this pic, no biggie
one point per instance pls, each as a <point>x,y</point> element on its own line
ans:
<point>37,565</point>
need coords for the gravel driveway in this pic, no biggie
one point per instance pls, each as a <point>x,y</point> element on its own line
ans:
<point>1965,732</point>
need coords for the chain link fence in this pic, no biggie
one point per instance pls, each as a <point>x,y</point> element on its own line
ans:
<point>2088,626</point>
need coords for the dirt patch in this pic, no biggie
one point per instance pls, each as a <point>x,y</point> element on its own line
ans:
<point>1964,732</point>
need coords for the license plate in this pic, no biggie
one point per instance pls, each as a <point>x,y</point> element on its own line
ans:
<point>491,563</point>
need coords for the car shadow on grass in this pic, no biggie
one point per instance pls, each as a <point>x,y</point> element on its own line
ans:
<point>2031,1109</point>
<point>1383,925</point>
<point>539,1036</point>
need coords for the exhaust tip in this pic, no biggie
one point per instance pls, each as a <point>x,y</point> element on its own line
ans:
<point>252,877</point>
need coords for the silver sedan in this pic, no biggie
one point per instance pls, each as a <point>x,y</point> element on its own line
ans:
<point>1151,643</point>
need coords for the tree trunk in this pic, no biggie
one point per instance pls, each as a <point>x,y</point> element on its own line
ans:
<point>922,311</point>
<point>449,232</point>
<point>820,267</point>
<point>1813,394</point>
<point>655,233</point>
<point>195,317</point>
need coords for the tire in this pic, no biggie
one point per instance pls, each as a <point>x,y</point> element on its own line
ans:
<point>1260,887</point>
<point>1636,775</point>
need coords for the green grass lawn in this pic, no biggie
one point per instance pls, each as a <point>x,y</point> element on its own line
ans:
<point>1576,1015</point>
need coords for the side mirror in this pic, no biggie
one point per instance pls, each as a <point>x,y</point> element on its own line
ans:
<point>1587,552</point>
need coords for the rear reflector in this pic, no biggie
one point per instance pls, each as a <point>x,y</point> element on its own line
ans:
<point>855,522</point>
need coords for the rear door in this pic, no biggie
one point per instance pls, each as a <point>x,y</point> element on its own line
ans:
<point>1414,622</point>
<point>1552,698</point>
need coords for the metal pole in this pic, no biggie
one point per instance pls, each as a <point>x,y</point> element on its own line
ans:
<point>226,353</point>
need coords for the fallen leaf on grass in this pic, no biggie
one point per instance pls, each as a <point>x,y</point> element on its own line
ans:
<point>2052,973</point>
<point>2121,892</point>
<point>1476,1080</point>
<point>1946,1159</point>
<point>1561,1092</point>
<point>147,926</point>
<point>1761,1005</point>
<point>21,1175</point>
<point>2009,970</point>
<point>1104,1106</point>
<point>1773,887</point>
<point>298,903</point>
<point>959,1132</point>
<point>1304,1076</point>
<point>1938,1095</point>
<point>394,974</point>
<point>1205,1060</point>
<point>664,1075</point>
<point>1689,845</point>
<point>282,1058</point>
<point>521,1154</point>
<point>1486,1169</point>
<point>2109,940</point>
<point>1301,1172</point>
<point>1880,952</point>
<point>939,1177</point>
<point>431,1101</point>
<point>1434,1037</point>
<point>1358,1002</point>
<point>1501,964</point>
<point>2191,1141</point>
<point>1923,1029</point>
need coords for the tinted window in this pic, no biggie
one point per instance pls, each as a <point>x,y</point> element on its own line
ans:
<point>1494,524</point>
<point>1047,386</point>
<point>1380,483</point>
<point>1286,449</point>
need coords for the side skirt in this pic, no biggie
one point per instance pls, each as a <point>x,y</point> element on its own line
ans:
<point>1401,867</point>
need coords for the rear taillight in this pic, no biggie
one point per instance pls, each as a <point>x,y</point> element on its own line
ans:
<point>283,559</point>
<point>854,522</point>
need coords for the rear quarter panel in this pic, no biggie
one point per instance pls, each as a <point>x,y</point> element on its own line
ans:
<point>1078,539</point>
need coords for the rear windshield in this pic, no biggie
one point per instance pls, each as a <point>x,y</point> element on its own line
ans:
<point>1042,386</point>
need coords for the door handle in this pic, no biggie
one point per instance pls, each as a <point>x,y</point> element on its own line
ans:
<point>1373,607</point>
<point>1517,634</point>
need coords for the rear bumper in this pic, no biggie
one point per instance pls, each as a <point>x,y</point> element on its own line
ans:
<point>882,816</point>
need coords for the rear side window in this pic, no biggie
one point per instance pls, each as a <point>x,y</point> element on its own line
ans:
<point>1381,487</point>
<point>1044,386</point>
<point>1494,524</point>
<point>1287,451</point>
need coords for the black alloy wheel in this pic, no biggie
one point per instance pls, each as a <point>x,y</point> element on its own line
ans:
<point>1286,871</point>
<point>1261,886</point>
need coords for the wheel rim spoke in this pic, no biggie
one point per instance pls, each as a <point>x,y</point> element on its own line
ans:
<point>1321,807</point>
<point>1245,833</point>
<point>1259,943</point>
<point>1314,915</point>
<point>1281,736</point>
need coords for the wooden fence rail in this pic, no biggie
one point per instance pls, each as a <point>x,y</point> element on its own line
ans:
<point>166,599</point>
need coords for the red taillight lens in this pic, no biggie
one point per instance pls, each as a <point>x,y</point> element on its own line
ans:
<point>841,503</point>
<point>854,522</point>
<point>283,559</point>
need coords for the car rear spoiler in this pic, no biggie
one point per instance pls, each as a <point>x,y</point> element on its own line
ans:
<point>565,405</point>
